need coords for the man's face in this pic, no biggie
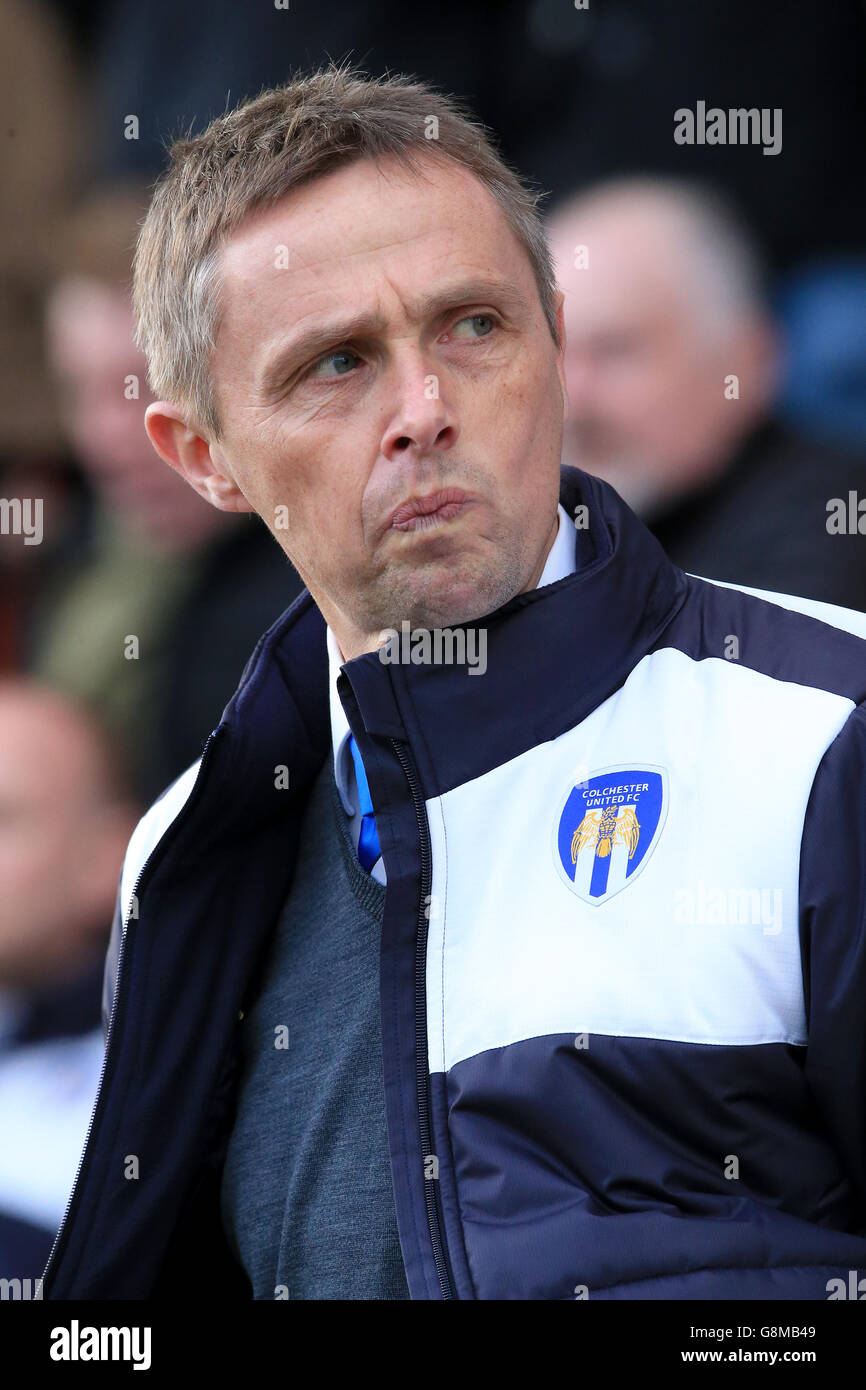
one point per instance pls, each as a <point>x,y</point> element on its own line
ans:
<point>381,338</point>
<point>645,380</point>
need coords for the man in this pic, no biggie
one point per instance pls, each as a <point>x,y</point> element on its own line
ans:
<point>543,1052</point>
<point>672,369</point>
<point>65,818</point>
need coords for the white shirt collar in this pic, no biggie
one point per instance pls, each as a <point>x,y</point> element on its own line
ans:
<point>339,725</point>
<point>560,562</point>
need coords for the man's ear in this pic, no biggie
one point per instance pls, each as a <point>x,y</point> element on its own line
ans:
<point>190,455</point>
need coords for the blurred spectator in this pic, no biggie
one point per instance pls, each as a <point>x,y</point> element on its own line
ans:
<point>672,365</point>
<point>43,135</point>
<point>590,93</point>
<point>65,820</point>
<point>153,606</point>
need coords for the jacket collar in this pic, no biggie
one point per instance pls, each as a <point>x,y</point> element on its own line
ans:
<point>553,655</point>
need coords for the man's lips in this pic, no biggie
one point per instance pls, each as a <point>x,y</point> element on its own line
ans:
<point>418,512</point>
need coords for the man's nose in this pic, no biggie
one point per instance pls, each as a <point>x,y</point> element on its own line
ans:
<point>420,419</point>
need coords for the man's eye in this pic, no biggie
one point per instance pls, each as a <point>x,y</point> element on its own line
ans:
<point>342,360</point>
<point>484,323</point>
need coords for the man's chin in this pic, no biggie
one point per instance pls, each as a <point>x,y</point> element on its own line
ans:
<point>455,601</point>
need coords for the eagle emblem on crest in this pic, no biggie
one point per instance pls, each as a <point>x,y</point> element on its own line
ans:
<point>602,830</point>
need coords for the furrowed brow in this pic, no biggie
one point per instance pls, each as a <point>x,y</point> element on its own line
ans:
<point>311,343</point>
<point>480,291</point>
<point>314,341</point>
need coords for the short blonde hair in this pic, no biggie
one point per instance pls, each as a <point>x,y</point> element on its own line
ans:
<point>250,157</point>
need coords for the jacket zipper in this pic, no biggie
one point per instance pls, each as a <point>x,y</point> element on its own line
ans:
<point>118,977</point>
<point>431,1185</point>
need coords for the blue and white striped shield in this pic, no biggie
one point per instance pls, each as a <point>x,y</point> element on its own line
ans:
<point>608,828</point>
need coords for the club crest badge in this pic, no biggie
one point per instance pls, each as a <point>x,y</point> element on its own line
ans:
<point>608,828</point>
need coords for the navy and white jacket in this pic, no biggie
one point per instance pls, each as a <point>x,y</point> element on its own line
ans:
<point>623,965</point>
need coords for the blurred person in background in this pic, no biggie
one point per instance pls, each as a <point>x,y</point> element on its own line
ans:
<point>44,137</point>
<point>587,94</point>
<point>65,818</point>
<point>672,363</point>
<point>154,603</point>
